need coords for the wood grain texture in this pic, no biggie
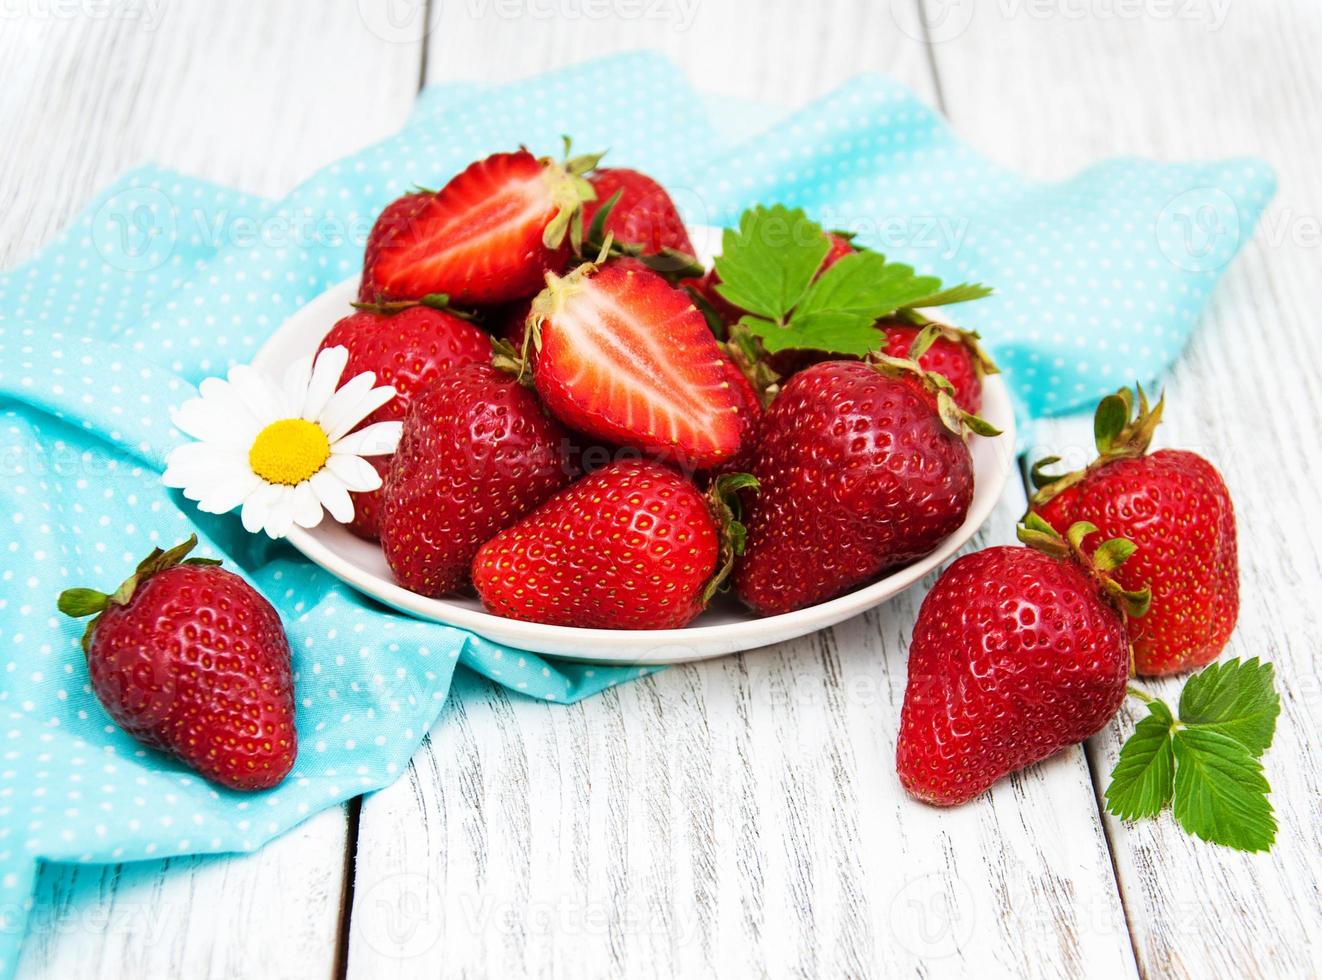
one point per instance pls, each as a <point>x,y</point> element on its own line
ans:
<point>1245,394</point>
<point>739,817</point>
<point>257,96</point>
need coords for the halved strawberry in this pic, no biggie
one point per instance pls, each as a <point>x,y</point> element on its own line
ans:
<point>488,236</point>
<point>624,356</point>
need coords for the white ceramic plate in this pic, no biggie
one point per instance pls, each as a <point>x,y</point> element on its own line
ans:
<point>724,628</point>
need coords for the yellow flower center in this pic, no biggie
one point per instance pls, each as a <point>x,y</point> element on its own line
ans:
<point>289,451</point>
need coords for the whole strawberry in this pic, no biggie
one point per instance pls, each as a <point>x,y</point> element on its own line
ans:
<point>1175,507</point>
<point>487,236</point>
<point>477,453</point>
<point>643,214</point>
<point>408,350</point>
<point>954,354</point>
<point>863,468</point>
<point>1017,653</point>
<point>621,355</point>
<point>190,659</point>
<point>634,545</point>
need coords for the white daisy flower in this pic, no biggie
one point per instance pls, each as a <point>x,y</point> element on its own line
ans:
<point>285,452</point>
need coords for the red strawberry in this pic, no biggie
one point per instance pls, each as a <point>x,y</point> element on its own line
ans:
<point>1016,653</point>
<point>488,236</point>
<point>622,355</point>
<point>477,453</point>
<point>1175,507</point>
<point>409,349</point>
<point>750,417</point>
<point>632,546</point>
<point>954,354</point>
<point>191,660</point>
<point>862,469</point>
<point>389,225</point>
<point>644,215</point>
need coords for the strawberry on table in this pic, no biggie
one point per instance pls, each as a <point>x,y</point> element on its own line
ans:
<point>862,468</point>
<point>477,453</point>
<point>1175,507</point>
<point>408,349</point>
<point>621,355</point>
<point>190,659</point>
<point>488,236</point>
<point>1017,653</point>
<point>633,546</point>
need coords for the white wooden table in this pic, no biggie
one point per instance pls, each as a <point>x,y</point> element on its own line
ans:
<point>739,817</point>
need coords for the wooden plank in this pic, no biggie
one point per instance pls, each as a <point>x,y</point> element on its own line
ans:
<point>739,817</point>
<point>1245,395</point>
<point>255,95</point>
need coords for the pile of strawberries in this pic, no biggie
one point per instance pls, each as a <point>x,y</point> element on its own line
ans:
<point>600,432</point>
<point>587,439</point>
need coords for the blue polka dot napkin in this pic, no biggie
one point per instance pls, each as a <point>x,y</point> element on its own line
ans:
<point>166,279</point>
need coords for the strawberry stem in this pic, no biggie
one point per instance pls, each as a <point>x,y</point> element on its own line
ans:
<point>723,499</point>
<point>77,603</point>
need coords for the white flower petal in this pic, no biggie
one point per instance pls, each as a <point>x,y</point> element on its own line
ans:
<point>219,419</point>
<point>228,492</point>
<point>259,393</point>
<point>295,385</point>
<point>333,495</point>
<point>307,508</point>
<point>377,439</point>
<point>257,507</point>
<point>326,371</point>
<point>356,473</point>
<point>280,514</point>
<point>353,403</point>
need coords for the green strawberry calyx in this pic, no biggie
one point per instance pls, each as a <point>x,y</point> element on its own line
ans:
<point>955,418</point>
<point>569,190</point>
<point>723,499</point>
<point>433,301</point>
<point>1123,427</point>
<point>1105,558</point>
<point>671,263</point>
<point>79,602</point>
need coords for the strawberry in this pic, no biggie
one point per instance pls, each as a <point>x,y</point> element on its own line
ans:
<point>389,225</point>
<point>862,468</point>
<point>634,545</point>
<point>1017,653</point>
<point>643,214</point>
<point>190,659</point>
<point>621,355</point>
<point>750,417</point>
<point>477,453</point>
<point>408,349</point>
<point>1175,507</point>
<point>488,236</point>
<point>953,354</point>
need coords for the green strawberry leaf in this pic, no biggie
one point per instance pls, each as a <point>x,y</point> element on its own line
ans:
<point>1220,791</point>
<point>766,266</point>
<point>963,293</point>
<point>769,267</point>
<point>1144,777</point>
<point>1235,698</point>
